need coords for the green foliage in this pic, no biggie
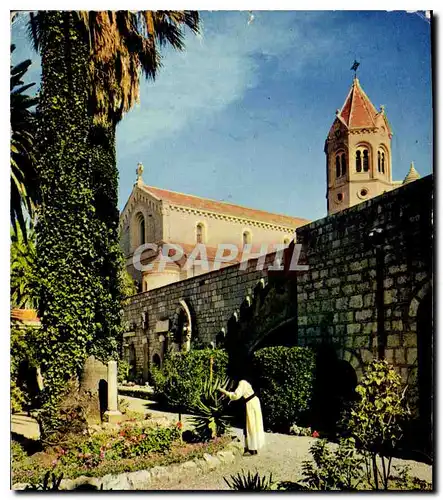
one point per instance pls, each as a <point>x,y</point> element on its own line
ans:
<point>123,370</point>
<point>24,185</point>
<point>22,256</point>
<point>18,454</point>
<point>179,383</point>
<point>210,419</point>
<point>128,284</point>
<point>338,470</point>
<point>375,420</point>
<point>250,482</point>
<point>50,483</point>
<point>24,352</point>
<point>32,469</point>
<point>129,442</point>
<point>285,376</point>
<point>404,481</point>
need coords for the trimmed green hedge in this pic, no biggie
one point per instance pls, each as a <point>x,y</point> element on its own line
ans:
<point>179,382</point>
<point>285,377</point>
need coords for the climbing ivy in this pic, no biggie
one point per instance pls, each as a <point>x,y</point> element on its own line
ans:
<point>111,262</point>
<point>68,230</point>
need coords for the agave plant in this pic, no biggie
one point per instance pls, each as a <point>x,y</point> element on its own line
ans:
<point>250,482</point>
<point>210,419</point>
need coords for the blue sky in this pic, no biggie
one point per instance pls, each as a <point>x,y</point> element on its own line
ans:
<point>243,113</point>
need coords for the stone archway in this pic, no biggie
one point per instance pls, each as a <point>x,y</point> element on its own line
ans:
<point>334,388</point>
<point>182,326</point>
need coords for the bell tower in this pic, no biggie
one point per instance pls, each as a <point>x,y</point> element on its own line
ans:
<point>358,152</point>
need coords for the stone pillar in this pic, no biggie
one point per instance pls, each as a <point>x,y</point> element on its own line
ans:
<point>112,415</point>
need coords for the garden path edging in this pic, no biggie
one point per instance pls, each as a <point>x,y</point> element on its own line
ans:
<point>142,479</point>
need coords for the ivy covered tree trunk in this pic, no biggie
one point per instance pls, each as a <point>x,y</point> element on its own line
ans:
<point>110,265</point>
<point>67,228</point>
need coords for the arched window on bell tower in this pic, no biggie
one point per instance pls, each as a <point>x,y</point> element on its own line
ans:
<point>358,161</point>
<point>343,164</point>
<point>362,159</point>
<point>365,160</point>
<point>337,166</point>
<point>340,164</point>
<point>382,160</point>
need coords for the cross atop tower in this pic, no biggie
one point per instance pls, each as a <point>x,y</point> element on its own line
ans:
<point>355,67</point>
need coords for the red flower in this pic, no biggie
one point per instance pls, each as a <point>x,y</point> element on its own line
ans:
<point>315,434</point>
<point>179,425</point>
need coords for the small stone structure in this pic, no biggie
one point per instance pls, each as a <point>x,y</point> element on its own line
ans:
<point>112,414</point>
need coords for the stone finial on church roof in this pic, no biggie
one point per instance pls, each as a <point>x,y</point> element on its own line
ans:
<point>412,175</point>
<point>139,172</point>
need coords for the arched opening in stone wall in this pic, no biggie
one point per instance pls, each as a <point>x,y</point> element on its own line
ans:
<point>182,326</point>
<point>156,361</point>
<point>425,369</point>
<point>284,334</point>
<point>334,389</point>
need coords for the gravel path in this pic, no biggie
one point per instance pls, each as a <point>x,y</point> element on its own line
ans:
<point>282,456</point>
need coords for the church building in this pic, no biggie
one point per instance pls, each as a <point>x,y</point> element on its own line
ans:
<point>163,217</point>
<point>359,167</point>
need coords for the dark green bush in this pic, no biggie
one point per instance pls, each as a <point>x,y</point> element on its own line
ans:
<point>179,383</point>
<point>285,377</point>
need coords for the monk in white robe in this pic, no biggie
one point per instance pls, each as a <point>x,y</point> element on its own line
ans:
<point>254,435</point>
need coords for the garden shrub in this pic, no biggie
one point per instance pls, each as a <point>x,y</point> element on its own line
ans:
<point>123,371</point>
<point>338,470</point>
<point>179,382</point>
<point>24,357</point>
<point>375,420</point>
<point>285,377</point>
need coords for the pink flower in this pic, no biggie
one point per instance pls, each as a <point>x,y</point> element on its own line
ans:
<point>54,462</point>
<point>315,434</point>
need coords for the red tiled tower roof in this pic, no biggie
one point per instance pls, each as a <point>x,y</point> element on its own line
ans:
<point>187,200</point>
<point>358,111</point>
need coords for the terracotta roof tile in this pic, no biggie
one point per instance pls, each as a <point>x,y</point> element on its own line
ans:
<point>187,200</point>
<point>358,111</point>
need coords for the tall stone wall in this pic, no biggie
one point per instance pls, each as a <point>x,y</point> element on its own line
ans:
<point>364,294</point>
<point>212,299</point>
<point>361,294</point>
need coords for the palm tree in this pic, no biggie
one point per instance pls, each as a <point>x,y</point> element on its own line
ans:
<point>24,186</point>
<point>124,44</point>
<point>121,46</point>
<point>69,290</point>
